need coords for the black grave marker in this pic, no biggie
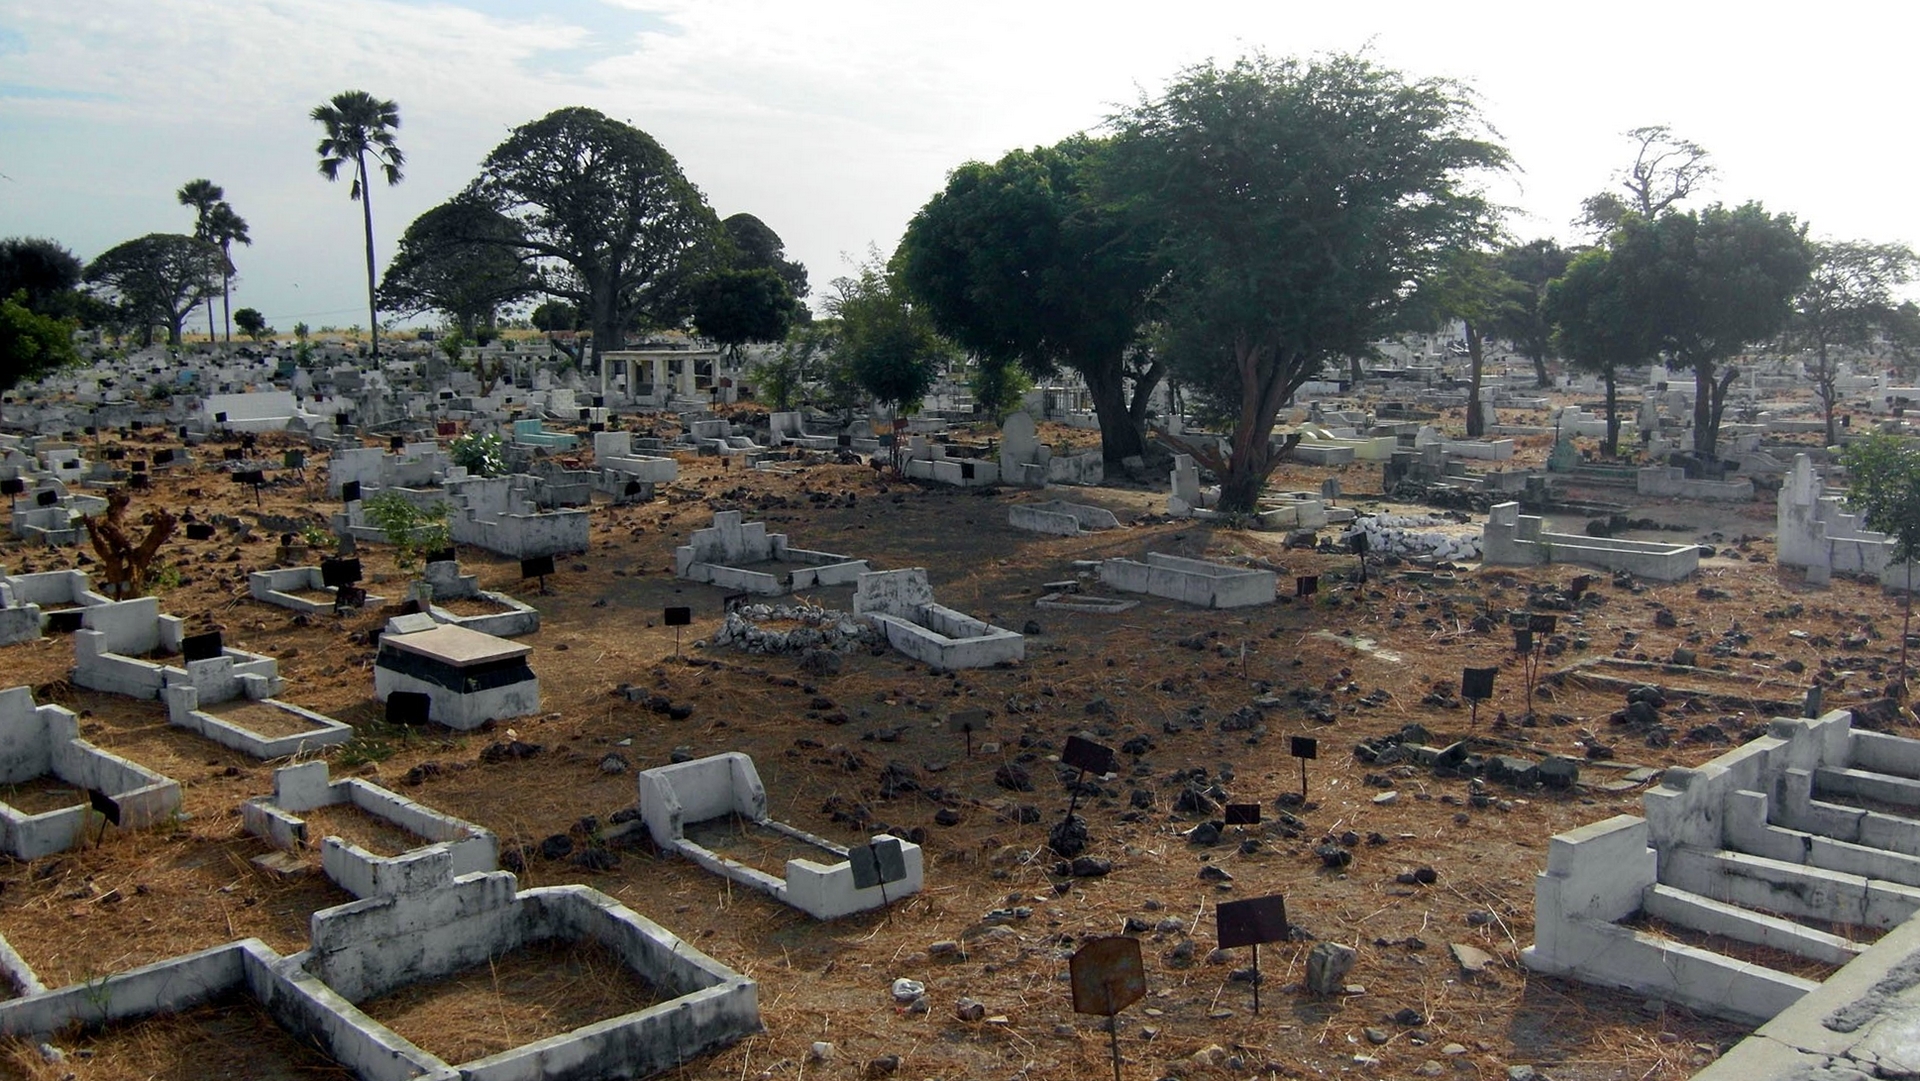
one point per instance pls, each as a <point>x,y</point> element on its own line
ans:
<point>138,482</point>
<point>107,807</point>
<point>64,622</point>
<point>1303,748</point>
<point>201,647</point>
<point>1250,923</point>
<point>1306,585</point>
<point>397,443</point>
<point>199,531</point>
<point>1243,814</point>
<point>408,708</point>
<point>335,573</point>
<point>443,555</point>
<point>1086,756</point>
<point>47,498</point>
<point>969,721</point>
<point>677,618</point>
<point>350,491</point>
<point>163,457</point>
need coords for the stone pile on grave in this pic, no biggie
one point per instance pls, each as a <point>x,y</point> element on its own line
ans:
<point>1191,581</point>
<point>43,741</point>
<point>1813,529</point>
<point>723,793</point>
<point>744,556</point>
<point>1026,461</point>
<point>447,847</point>
<point>1512,539</point>
<point>469,677</point>
<point>792,628</point>
<point>900,603</point>
<point>1060,518</point>
<point>1786,842</point>
<point>1417,536</point>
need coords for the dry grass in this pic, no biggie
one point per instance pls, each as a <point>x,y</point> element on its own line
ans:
<point>355,825</point>
<point>42,794</point>
<point>261,718</point>
<point>829,981</point>
<point>230,1039</point>
<point>539,990</point>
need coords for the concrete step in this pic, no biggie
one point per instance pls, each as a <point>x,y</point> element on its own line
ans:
<point>1744,925</point>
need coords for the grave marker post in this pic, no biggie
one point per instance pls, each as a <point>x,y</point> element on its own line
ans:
<point>677,618</point>
<point>1084,754</point>
<point>1249,923</point>
<point>1476,685</point>
<point>1303,748</point>
<point>1108,977</point>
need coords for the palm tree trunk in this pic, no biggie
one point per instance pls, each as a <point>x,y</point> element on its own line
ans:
<point>366,211</point>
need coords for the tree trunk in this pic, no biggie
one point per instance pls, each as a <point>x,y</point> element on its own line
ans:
<point>1612,446</point>
<point>1262,390</point>
<point>1704,430</point>
<point>1823,388</point>
<point>366,213</point>
<point>1476,424</point>
<point>1353,369</point>
<point>213,336</point>
<point>1120,437</point>
<point>1540,377</point>
<point>1719,408</point>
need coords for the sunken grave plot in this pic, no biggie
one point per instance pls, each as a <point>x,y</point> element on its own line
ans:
<point>458,600</point>
<point>58,788</point>
<point>900,603</point>
<point>372,840</point>
<point>713,811</point>
<point>1191,581</point>
<point>302,589</point>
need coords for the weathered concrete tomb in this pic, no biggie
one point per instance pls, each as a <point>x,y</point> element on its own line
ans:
<point>470,678</point>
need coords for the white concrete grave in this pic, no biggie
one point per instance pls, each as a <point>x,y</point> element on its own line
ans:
<point>1512,539</point>
<point>27,599</point>
<point>1026,461</point>
<point>744,556</point>
<point>511,618</point>
<point>258,411</point>
<point>723,786</point>
<point>44,741</point>
<point>1060,518</point>
<point>900,603</point>
<point>283,586</point>
<point>471,678</point>
<point>370,947</point>
<point>1813,529</point>
<point>299,789</point>
<point>1772,843</point>
<point>1191,581</point>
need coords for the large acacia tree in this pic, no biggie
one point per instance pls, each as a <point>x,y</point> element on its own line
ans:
<point>617,228</point>
<point>1530,266</point>
<point>1842,306</point>
<point>1297,203</point>
<point>1018,262</point>
<point>1711,284</point>
<point>158,278</point>
<point>461,258</point>
<point>1599,326</point>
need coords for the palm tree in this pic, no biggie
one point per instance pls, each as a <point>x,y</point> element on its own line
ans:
<point>224,227</point>
<point>358,124</point>
<point>203,196</point>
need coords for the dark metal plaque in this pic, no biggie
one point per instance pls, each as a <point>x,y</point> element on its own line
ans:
<point>1251,922</point>
<point>1107,976</point>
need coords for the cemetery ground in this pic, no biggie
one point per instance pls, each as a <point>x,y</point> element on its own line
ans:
<point>1199,703</point>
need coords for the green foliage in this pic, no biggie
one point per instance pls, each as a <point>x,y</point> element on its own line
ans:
<point>253,324</point>
<point>411,530</point>
<point>618,229</point>
<point>163,578</point>
<point>316,537</point>
<point>1844,304</point>
<point>301,332</point>
<point>1666,169</point>
<point>555,315</point>
<point>1530,267</point>
<point>31,345</point>
<point>1295,201</point>
<point>158,278</point>
<point>785,377</point>
<point>887,341</point>
<point>481,454</point>
<point>1883,483</point>
<point>757,246</point>
<point>1597,324</point>
<point>997,387</point>
<point>734,307</point>
<point>463,258</point>
<point>1019,262</point>
<point>45,271</point>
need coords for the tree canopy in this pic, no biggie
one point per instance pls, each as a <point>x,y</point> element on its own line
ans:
<point>734,307</point>
<point>461,258</point>
<point>1020,262</point>
<point>615,226</point>
<point>44,270</point>
<point>1530,267</point>
<point>1666,169</point>
<point>1709,285</point>
<point>1598,326</point>
<point>886,340</point>
<point>757,246</point>
<point>31,343</point>
<point>1844,304</point>
<point>157,278</point>
<point>1296,201</point>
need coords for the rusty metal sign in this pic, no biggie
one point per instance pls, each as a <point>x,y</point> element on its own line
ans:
<point>1107,976</point>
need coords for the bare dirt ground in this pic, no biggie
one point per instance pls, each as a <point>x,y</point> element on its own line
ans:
<point>1205,697</point>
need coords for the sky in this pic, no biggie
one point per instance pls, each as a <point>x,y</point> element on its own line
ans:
<point>834,121</point>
